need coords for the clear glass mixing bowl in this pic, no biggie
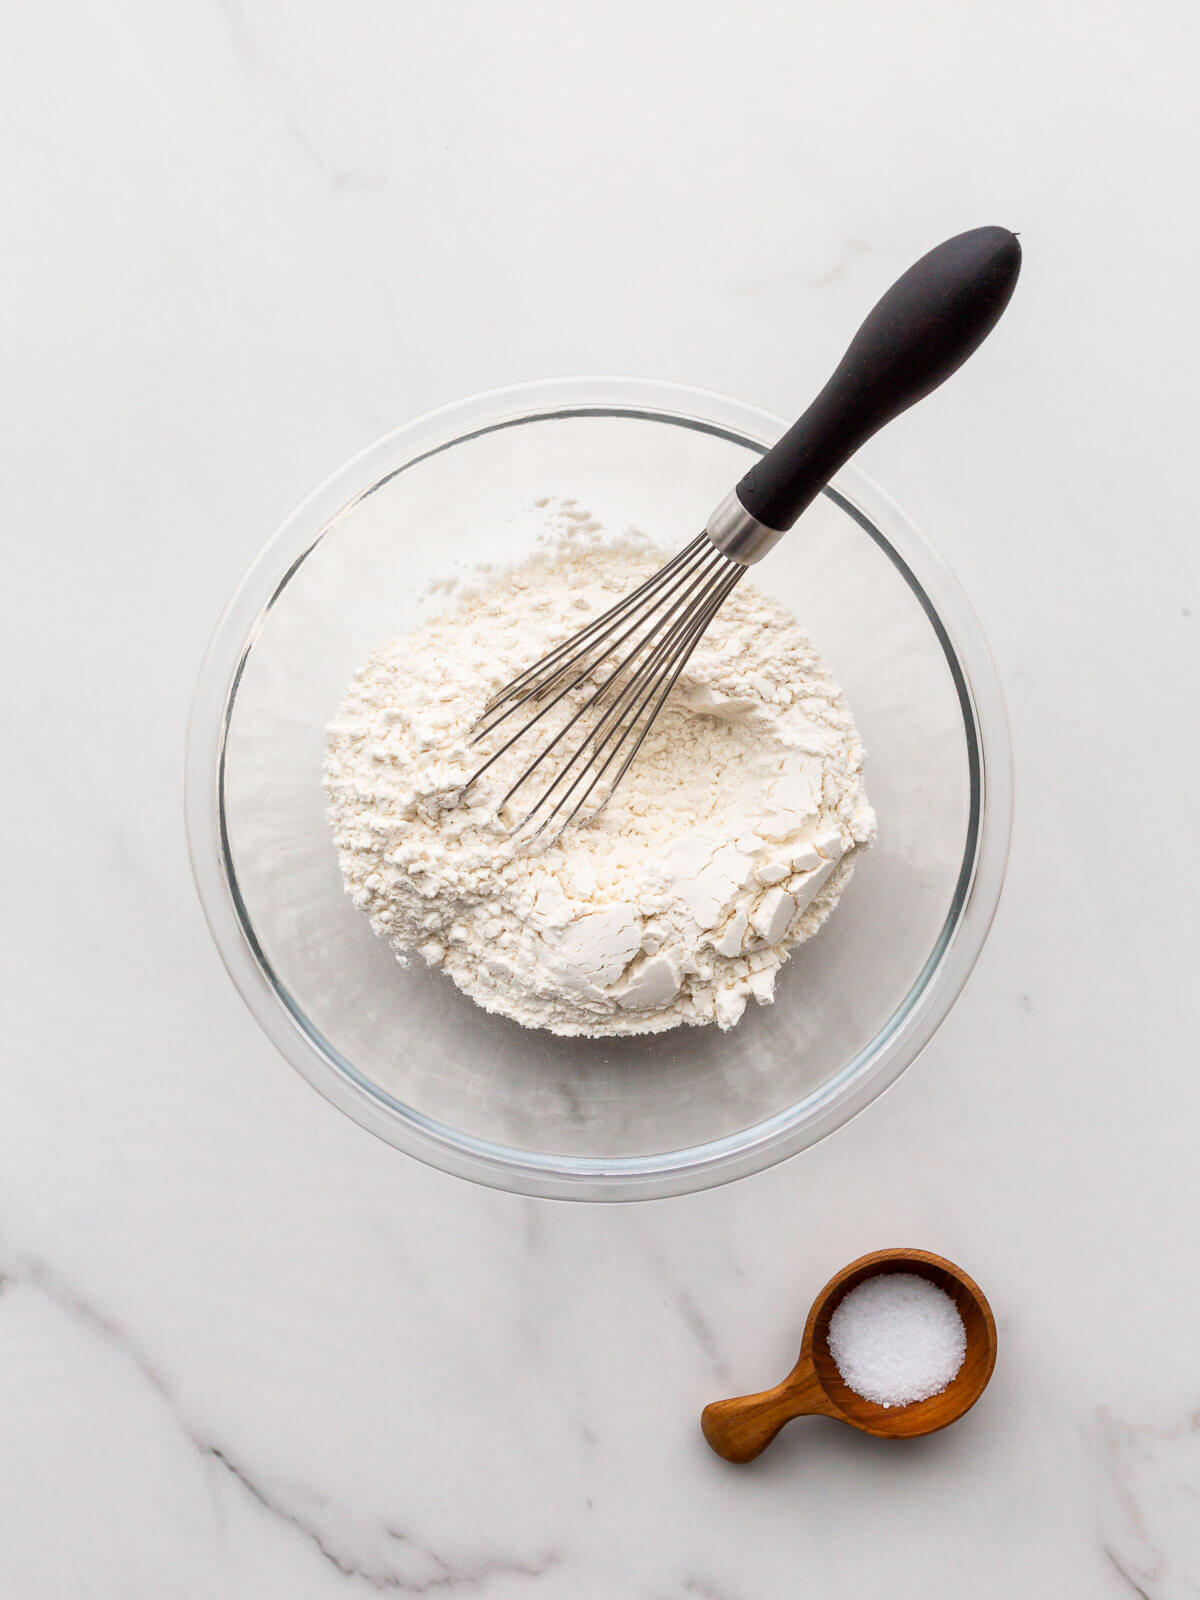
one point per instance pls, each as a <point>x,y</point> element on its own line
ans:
<point>400,1049</point>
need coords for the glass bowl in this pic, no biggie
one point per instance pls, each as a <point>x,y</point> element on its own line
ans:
<point>399,1048</point>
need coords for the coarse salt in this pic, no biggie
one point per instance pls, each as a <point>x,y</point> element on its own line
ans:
<point>897,1338</point>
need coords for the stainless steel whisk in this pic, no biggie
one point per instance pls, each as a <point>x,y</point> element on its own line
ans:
<point>923,329</point>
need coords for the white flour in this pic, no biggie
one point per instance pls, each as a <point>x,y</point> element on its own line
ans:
<point>727,844</point>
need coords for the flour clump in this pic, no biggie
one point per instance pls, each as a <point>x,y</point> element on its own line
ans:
<point>727,844</point>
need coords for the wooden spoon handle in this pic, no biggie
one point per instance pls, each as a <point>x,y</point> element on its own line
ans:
<point>742,1428</point>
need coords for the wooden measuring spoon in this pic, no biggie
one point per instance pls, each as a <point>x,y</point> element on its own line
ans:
<point>742,1428</point>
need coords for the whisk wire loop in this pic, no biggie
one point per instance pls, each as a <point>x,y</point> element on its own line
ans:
<point>609,684</point>
<point>586,637</point>
<point>684,639</point>
<point>668,613</point>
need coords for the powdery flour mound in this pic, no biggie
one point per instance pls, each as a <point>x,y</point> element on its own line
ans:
<point>727,844</point>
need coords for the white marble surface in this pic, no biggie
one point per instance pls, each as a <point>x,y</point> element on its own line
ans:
<point>246,1350</point>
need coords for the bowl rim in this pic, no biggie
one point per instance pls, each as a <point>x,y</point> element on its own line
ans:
<point>860,1080</point>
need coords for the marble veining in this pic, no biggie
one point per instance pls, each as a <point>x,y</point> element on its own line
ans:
<point>394,1562</point>
<point>1150,1498</point>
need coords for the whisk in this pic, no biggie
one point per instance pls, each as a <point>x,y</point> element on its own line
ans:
<point>627,660</point>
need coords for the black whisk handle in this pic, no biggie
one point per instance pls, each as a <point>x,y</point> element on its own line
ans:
<point>923,329</point>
